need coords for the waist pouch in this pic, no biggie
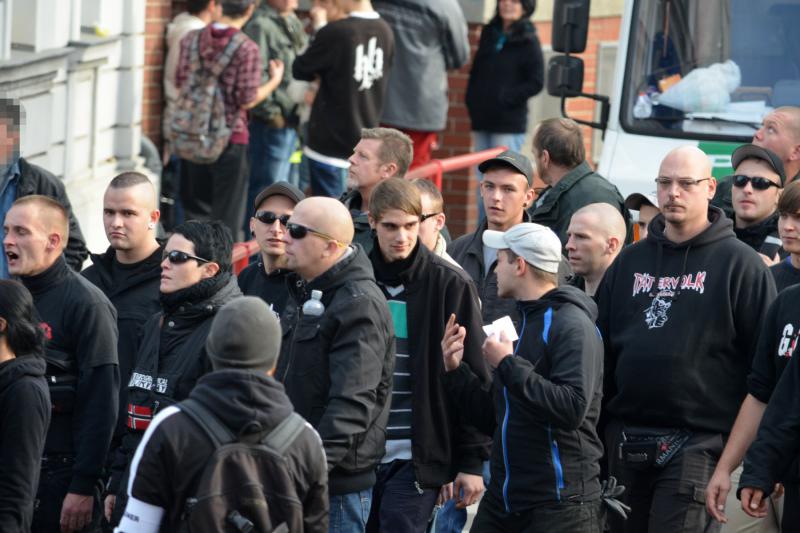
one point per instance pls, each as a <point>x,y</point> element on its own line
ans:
<point>641,448</point>
<point>62,381</point>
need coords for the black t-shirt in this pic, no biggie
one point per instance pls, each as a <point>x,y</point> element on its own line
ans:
<point>785,274</point>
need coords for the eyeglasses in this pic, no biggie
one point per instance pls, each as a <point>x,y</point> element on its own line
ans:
<point>684,183</point>
<point>758,183</point>
<point>296,231</point>
<point>269,218</point>
<point>176,257</point>
<point>426,216</point>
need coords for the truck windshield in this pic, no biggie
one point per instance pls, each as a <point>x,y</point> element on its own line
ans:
<point>710,69</point>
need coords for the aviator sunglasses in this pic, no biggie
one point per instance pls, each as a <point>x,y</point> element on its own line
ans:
<point>296,231</point>
<point>758,183</point>
<point>269,218</point>
<point>176,257</point>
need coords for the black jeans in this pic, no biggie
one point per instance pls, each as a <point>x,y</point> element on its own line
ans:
<point>556,517</point>
<point>398,505</point>
<point>669,499</point>
<point>54,480</point>
<point>217,191</point>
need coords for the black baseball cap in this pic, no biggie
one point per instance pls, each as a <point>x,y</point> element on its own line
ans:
<point>511,159</point>
<point>280,188</point>
<point>751,151</point>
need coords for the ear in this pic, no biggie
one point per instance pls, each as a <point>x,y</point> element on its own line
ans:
<point>528,198</point>
<point>252,226</point>
<point>544,158</point>
<point>712,187</point>
<point>441,218</point>
<point>155,216</point>
<point>54,241</point>
<point>3,326</point>
<point>210,270</point>
<point>613,245</point>
<point>372,221</point>
<point>389,170</point>
<point>520,266</point>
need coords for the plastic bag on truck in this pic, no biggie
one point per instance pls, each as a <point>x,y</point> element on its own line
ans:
<point>704,90</point>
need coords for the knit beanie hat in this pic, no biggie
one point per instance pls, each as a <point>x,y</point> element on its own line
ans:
<point>245,335</point>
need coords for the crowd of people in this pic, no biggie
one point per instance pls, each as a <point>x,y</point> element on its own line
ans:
<point>363,373</point>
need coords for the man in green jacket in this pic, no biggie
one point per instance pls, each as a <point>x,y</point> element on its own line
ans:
<point>571,182</point>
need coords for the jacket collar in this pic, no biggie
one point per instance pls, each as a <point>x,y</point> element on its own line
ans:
<point>565,183</point>
<point>46,280</point>
<point>475,246</point>
<point>145,270</point>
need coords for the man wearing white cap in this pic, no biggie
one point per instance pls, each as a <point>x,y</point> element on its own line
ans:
<point>646,205</point>
<point>545,401</point>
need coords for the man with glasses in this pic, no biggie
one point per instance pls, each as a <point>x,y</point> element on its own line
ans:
<point>336,363</point>
<point>432,221</point>
<point>679,315</point>
<point>266,278</point>
<point>757,181</point>
<point>196,281</point>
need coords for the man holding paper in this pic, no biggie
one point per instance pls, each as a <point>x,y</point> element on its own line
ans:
<point>545,398</point>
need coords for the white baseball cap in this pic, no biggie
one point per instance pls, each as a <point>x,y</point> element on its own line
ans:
<point>536,244</point>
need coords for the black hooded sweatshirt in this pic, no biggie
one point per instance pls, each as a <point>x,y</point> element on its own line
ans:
<point>680,321</point>
<point>24,417</point>
<point>544,405</point>
<point>175,450</point>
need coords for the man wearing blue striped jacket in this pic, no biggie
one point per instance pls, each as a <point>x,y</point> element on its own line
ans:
<point>545,397</point>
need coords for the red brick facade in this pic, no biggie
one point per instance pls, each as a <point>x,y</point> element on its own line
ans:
<point>458,187</point>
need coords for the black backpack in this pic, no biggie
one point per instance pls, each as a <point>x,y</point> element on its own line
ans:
<point>246,486</point>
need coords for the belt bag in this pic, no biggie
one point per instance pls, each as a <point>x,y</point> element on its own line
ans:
<point>63,383</point>
<point>644,447</point>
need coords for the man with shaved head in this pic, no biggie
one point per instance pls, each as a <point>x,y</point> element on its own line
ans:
<point>595,236</point>
<point>337,358</point>
<point>129,271</point>
<point>679,315</point>
<point>82,372</point>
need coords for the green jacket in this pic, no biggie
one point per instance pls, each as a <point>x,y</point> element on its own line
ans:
<point>578,188</point>
<point>281,38</point>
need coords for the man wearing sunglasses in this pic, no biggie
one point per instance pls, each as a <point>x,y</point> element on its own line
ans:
<point>336,365</point>
<point>757,181</point>
<point>679,314</point>
<point>266,278</point>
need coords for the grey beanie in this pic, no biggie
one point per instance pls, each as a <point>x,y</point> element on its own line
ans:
<point>245,335</point>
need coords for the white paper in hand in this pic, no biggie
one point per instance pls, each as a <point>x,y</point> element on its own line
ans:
<point>502,325</point>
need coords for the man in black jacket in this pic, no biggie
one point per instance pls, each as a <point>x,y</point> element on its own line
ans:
<point>336,363</point>
<point>20,178</point>
<point>674,381</point>
<point>82,370</point>
<point>428,444</point>
<point>545,401</point>
<point>571,183</point>
<point>243,346</point>
<point>128,272</point>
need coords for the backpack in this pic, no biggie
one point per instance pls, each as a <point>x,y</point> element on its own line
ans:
<point>246,485</point>
<point>196,127</point>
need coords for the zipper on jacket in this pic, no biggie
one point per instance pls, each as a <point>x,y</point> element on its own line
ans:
<point>556,457</point>
<point>506,503</point>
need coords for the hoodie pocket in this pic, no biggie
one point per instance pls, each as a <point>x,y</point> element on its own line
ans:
<point>308,358</point>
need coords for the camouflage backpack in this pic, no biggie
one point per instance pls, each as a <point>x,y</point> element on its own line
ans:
<point>197,129</point>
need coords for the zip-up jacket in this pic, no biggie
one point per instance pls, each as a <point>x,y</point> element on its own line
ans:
<point>82,370</point>
<point>254,281</point>
<point>337,368</point>
<point>364,234</point>
<point>175,450</point>
<point>543,406</point>
<point>773,455</point>
<point>135,297</point>
<point>443,443</point>
<point>680,322</point>
<point>24,417</point>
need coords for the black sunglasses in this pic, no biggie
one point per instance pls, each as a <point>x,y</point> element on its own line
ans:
<point>269,218</point>
<point>176,257</point>
<point>426,216</point>
<point>758,183</point>
<point>296,231</point>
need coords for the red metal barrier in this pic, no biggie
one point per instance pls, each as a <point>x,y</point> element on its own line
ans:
<point>432,170</point>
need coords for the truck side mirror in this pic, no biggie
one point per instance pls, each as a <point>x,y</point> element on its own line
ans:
<point>570,26</point>
<point>564,76</point>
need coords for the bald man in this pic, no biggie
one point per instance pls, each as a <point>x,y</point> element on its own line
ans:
<point>679,330</point>
<point>336,363</point>
<point>129,271</point>
<point>82,372</point>
<point>780,133</point>
<point>595,236</point>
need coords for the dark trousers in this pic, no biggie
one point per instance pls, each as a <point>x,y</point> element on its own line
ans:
<point>791,506</point>
<point>669,499</point>
<point>217,191</point>
<point>398,505</point>
<point>54,480</point>
<point>557,517</point>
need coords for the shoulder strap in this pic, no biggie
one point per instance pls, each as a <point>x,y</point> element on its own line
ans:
<point>194,53</point>
<point>211,425</point>
<point>280,438</point>
<point>236,40</point>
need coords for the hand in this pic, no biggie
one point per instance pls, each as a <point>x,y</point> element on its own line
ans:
<point>753,502</point>
<point>467,488</point>
<point>778,492</point>
<point>716,493</point>
<point>769,261</point>
<point>319,16</point>
<point>76,512</point>
<point>445,494</point>
<point>496,349</point>
<point>108,504</point>
<point>276,69</point>
<point>453,344</point>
